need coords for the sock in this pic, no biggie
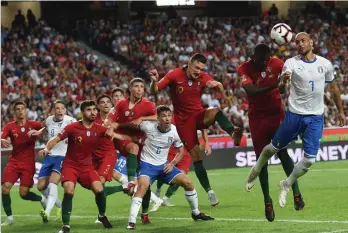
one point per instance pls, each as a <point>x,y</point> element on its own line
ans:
<point>265,155</point>
<point>154,198</point>
<point>45,192</point>
<point>159,184</point>
<point>263,177</point>
<point>192,198</point>
<point>52,197</point>
<point>171,190</point>
<point>288,166</point>
<point>31,197</point>
<point>112,189</point>
<point>300,169</point>
<point>131,166</point>
<point>202,175</point>
<point>58,203</point>
<point>135,206</point>
<point>66,208</point>
<point>6,203</point>
<point>123,179</point>
<point>146,202</point>
<point>224,123</point>
<point>100,200</point>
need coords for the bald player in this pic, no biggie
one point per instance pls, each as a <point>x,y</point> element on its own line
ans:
<point>308,74</point>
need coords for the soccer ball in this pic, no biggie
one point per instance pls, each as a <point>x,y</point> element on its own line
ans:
<point>281,33</point>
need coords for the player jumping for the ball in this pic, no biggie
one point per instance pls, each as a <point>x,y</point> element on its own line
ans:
<point>186,85</point>
<point>308,73</point>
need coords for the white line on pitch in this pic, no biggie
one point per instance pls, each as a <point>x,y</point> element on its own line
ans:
<point>218,219</point>
<point>338,231</point>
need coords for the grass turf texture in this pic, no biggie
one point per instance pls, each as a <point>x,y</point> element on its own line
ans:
<point>324,189</point>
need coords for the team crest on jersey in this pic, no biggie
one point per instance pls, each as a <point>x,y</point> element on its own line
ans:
<point>320,69</point>
<point>88,133</point>
<point>126,113</point>
<point>170,139</point>
<point>263,74</point>
<point>23,129</point>
<point>190,83</point>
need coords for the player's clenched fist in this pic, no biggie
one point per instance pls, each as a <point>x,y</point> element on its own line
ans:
<point>5,143</point>
<point>286,76</point>
<point>44,152</point>
<point>154,75</point>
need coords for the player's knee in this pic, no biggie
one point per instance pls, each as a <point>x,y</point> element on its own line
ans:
<point>187,184</point>
<point>41,185</point>
<point>69,188</point>
<point>5,189</point>
<point>195,153</point>
<point>23,193</point>
<point>133,148</point>
<point>210,115</point>
<point>102,179</point>
<point>97,187</point>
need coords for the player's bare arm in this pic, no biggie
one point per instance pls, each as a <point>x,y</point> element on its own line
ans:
<point>154,79</point>
<point>207,148</point>
<point>51,143</point>
<point>138,121</point>
<point>333,88</point>
<point>283,83</point>
<point>169,167</point>
<point>34,132</point>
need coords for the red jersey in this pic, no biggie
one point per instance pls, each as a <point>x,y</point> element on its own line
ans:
<point>185,92</point>
<point>269,103</point>
<point>124,115</point>
<point>23,146</point>
<point>105,144</point>
<point>81,142</point>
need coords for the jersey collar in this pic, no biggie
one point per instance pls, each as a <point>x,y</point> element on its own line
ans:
<point>166,131</point>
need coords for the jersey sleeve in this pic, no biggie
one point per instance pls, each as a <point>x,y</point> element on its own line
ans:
<point>152,109</point>
<point>166,80</point>
<point>206,78</point>
<point>36,125</point>
<point>72,120</point>
<point>243,76</point>
<point>5,132</point>
<point>330,73</point>
<point>288,67</point>
<point>145,126</point>
<point>65,132</point>
<point>177,141</point>
<point>113,116</point>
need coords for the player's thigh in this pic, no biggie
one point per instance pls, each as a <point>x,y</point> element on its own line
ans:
<point>89,179</point>
<point>27,173</point>
<point>106,166</point>
<point>143,185</point>
<point>47,166</point>
<point>55,177</point>
<point>69,174</point>
<point>288,130</point>
<point>42,183</point>
<point>150,171</point>
<point>188,134</point>
<point>206,117</point>
<point>169,177</point>
<point>183,181</point>
<point>11,173</point>
<point>57,165</point>
<point>312,135</point>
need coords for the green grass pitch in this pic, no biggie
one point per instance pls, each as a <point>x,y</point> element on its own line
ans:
<point>325,191</point>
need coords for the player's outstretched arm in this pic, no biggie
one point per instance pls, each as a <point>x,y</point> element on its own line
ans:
<point>283,82</point>
<point>51,143</point>
<point>34,132</point>
<point>121,137</point>
<point>207,148</point>
<point>154,79</point>
<point>252,90</point>
<point>335,91</point>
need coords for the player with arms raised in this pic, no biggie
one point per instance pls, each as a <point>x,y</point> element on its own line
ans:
<point>160,136</point>
<point>259,78</point>
<point>186,86</point>
<point>22,162</point>
<point>308,73</point>
<point>83,137</point>
<point>49,175</point>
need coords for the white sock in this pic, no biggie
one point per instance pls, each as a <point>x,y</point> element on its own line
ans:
<point>123,179</point>
<point>154,198</point>
<point>58,203</point>
<point>211,191</point>
<point>165,198</point>
<point>134,210</point>
<point>192,198</point>
<point>52,197</point>
<point>267,152</point>
<point>300,169</point>
<point>45,192</point>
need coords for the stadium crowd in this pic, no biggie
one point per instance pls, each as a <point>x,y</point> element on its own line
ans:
<point>40,65</point>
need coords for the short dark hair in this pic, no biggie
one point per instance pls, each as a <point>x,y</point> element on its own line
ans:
<point>199,58</point>
<point>19,103</point>
<point>136,80</point>
<point>261,49</point>
<point>163,108</point>
<point>118,89</point>
<point>58,102</point>
<point>86,104</point>
<point>103,96</point>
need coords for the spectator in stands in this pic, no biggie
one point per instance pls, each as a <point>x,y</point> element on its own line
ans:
<point>273,11</point>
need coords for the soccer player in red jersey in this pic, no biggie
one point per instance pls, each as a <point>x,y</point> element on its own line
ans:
<point>259,78</point>
<point>83,138</point>
<point>131,112</point>
<point>186,86</point>
<point>117,95</point>
<point>22,162</point>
